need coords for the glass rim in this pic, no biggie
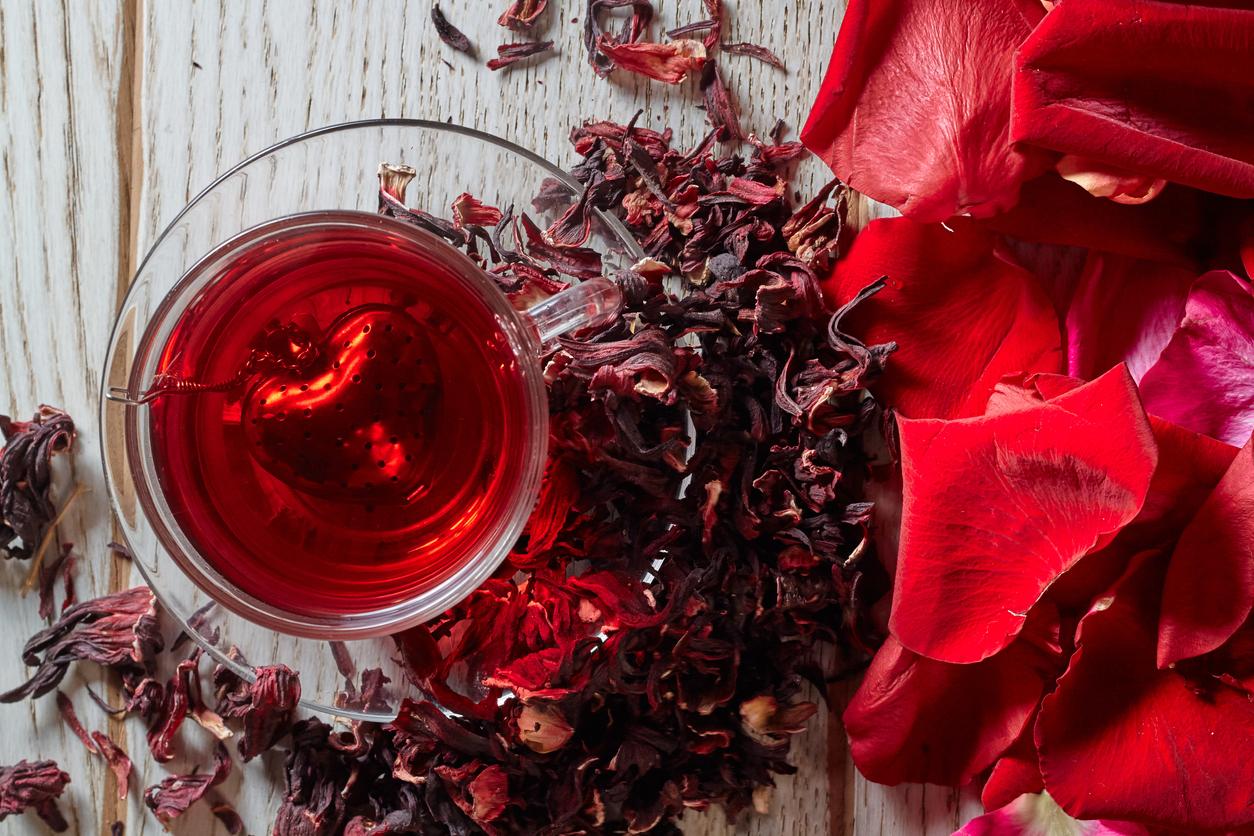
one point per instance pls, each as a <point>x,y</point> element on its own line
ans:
<point>383,621</point>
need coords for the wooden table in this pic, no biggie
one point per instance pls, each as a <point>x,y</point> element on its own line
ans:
<point>113,114</point>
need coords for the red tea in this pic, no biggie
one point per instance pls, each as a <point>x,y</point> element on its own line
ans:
<point>349,424</point>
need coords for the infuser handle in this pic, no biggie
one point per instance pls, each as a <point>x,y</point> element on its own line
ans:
<point>590,302</point>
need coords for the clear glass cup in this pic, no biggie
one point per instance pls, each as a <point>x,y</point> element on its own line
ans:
<point>325,180</point>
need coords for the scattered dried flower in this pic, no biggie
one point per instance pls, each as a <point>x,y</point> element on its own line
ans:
<point>26,507</point>
<point>33,786</point>
<point>265,705</point>
<point>171,798</point>
<point>118,630</point>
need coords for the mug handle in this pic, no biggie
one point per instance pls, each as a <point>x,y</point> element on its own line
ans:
<point>591,302</point>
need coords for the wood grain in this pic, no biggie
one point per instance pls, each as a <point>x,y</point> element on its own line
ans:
<point>113,115</point>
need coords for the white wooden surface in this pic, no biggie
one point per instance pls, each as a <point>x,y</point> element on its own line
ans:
<point>112,114</point>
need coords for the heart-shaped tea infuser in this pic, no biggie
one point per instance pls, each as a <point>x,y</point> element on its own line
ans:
<point>353,424</point>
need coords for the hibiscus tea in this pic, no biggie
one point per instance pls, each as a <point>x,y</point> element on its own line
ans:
<point>339,418</point>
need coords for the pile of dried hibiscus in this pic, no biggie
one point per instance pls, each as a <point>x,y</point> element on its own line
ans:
<point>699,537</point>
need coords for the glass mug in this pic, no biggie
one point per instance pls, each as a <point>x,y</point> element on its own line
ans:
<point>256,207</point>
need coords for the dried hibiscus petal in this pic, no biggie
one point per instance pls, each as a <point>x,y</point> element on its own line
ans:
<point>670,62</point>
<point>171,798</point>
<point>97,743</point>
<point>754,51</point>
<point>522,14</point>
<point>114,630</point>
<point>33,786</point>
<point>449,33</point>
<point>26,508</point>
<point>509,54</point>
<point>641,14</point>
<point>468,210</point>
<point>718,106</point>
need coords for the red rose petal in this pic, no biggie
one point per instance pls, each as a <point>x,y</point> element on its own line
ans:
<point>1189,467</point>
<point>1204,378</point>
<point>1136,84</point>
<point>962,314</point>
<point>915,108</point>
<point>917,720</point>
<point>1209,592</point>
<point>1016,773</point>
<point>1122,739</point>
<point>1053,211</point>
<point>1123,310</point>
<point>996,508</point>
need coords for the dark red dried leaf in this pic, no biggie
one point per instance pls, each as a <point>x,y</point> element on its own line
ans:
<point>718,107</point>
<point>117,759</point>
<point>60,567</point>
<point>71,719</point>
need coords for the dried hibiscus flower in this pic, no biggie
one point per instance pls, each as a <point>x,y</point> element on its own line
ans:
<point>265,705</point>
<point>118,630</point>
<point>26,508</point>
<point>171,798</point>
<point>33,786</point>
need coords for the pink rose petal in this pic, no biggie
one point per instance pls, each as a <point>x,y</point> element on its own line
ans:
<point>1204,378</point>
<point>1123,310</point>
<point>1038,815</point>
